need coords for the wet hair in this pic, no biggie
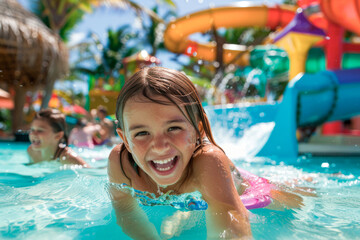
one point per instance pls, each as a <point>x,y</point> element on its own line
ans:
<point>81,122</point>
<point>56,120</point>
<point>102,110</point>
<point>175,86</point>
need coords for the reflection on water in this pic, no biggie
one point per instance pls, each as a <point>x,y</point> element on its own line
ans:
<point>45,201</point>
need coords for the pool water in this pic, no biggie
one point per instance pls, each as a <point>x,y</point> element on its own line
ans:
<point>51,201</point>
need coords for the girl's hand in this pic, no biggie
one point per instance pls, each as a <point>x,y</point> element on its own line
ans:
<point>129,215</point>
<point>173,226</point>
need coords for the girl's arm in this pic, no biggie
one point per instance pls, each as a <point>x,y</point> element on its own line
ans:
<point>226,216</point>
<point>30,155</point>
<point>71,157</point>
<point>129,215</point>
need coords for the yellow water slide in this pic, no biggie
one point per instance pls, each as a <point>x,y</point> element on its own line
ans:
<point>176,36</point>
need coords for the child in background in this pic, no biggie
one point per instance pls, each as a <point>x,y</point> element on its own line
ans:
<point>49,140</point>
<point>82,134</point>
<point>106,132</point>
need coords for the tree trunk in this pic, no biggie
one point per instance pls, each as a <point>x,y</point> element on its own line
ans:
<point>18,111</point>
<point>47,95</point>
<point>219,74</point>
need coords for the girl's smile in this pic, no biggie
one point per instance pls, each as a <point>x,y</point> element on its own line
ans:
<point>41,135</point>
<point>159,137</point>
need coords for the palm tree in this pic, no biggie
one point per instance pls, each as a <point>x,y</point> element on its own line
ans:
<point>104,60</point>
<point>62,15</point>
<point>154,32</point>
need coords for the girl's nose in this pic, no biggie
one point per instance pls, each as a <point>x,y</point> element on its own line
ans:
<point>160,144</point>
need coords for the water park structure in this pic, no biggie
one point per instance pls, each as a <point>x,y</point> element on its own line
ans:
<point>105,93</point>
<point>324,94</point>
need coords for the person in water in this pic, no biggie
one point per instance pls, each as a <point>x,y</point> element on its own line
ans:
<point>82,133</point>
<point>106,133</point>
<point>168,147</point>
<point>49,140</point>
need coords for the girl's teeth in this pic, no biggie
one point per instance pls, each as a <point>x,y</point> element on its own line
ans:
<point>164,165</point>
<point>163,161</point>
<point>163,169</point>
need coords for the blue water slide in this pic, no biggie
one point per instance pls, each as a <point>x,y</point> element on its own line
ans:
<point>308,100</point>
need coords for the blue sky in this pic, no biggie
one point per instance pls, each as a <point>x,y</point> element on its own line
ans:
<point>104,18</point>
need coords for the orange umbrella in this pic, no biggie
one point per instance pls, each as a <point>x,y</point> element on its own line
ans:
<point>55,102</point>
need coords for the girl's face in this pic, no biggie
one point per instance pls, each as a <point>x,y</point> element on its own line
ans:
<point>159,137</point>
<point>42,135</point>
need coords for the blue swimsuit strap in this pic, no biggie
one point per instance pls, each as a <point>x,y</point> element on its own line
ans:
<point>183,202</point>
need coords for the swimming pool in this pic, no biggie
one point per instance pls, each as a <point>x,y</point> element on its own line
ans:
<point>48,200</point>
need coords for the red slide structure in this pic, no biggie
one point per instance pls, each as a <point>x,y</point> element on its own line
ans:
<point>340,15</point>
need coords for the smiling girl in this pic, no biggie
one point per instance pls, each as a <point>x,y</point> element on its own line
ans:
<point>169,148</point>
<point>49,140</point>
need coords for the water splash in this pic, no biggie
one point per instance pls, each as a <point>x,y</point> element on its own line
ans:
<point>249,144</point>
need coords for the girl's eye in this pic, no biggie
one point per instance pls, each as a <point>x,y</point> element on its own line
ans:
<point>143,133</point>
<point>34,130</point>
<point>174,128</point>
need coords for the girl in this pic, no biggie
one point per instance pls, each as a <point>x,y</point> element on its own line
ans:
<point>49,140</point>
<point>82,133</point>
<point>168,147</point>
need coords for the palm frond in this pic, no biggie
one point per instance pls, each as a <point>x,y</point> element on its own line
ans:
<point>124,4</point>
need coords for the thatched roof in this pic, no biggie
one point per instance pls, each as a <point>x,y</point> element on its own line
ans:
<point>30,53</point>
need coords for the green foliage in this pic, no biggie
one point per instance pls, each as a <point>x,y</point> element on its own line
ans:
<point>154,31</point>
<point>246,35</point>
<point>290,2</point>
<point>169,3</point>
<point>73,17</point>
<point>105,60</point>
<point>5,120</point>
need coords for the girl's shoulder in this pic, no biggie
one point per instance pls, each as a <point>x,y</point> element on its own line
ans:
<point>114,155</point>
<point>209,155</point>
<point>211,172</point>
<point>209,150</point>
<point>119,167</point>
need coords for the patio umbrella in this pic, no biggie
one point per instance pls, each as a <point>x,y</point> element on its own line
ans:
<point>5,100</point>
<point>32,57</point>
<point>75,109</point>
<point>4,94</point>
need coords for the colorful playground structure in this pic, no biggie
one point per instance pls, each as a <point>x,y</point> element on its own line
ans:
<point>176,36</point>
<point>104,93</point>
<point>311,98</point>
